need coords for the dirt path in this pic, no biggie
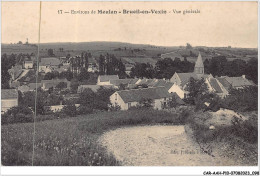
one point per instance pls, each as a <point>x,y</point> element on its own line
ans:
<point>158,146</point>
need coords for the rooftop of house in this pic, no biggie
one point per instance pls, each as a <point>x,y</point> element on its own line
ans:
<point>117,82</point>
<point>9,94</point>
<point>28,62</point>
<point>185,77</point>
<point>215,85</point>
<point>32,86</point>
<point>24,88</point>
<point>106,78</point>
<point>50,61</point>
<point>135,95</point>
<point>238,81</point>
<point>94,88</point>
<point>54,80</point>
<point>224,82</point>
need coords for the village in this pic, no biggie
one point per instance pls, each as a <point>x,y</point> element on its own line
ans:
<point>194,95</point>
<point>128,91</point>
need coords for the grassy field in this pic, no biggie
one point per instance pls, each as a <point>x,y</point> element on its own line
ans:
<point>72,141</point>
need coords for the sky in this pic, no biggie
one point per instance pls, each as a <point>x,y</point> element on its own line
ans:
<point>218,23</point>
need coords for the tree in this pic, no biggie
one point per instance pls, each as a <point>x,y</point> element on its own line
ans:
<point>70,110</point>
<point>145,103</point>
<point>83,75</point>
<point>188,46</point>
<point>18,114</point>
<point>245,99</point>
<point>50,52</point>
<point>54,99</point>
<point>101,64</point>
<point>252,70</point>
<point>61,85</point>
<point>86,60</point>
<point>195,89</point>
<point>7,63</point>
<point>74,85</point>
<point>87,98</point>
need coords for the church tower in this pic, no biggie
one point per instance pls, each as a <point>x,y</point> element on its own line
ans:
<point>199,66</point>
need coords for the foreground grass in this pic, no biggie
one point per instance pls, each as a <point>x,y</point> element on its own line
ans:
<point>72,141</point>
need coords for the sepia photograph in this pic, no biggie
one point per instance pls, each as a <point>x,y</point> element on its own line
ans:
<point>130,84</point>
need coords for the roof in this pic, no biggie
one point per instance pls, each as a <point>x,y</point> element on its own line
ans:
<point>24,88</point>
<point>215,85</point>
<point>199,62</point>
<point>54,80</point>
<point>28,62</point>
<point>9,93</point>
<point>185,77</point>
<point>146,81</point>
<point>117,82</point>
<point>224,82</point>
<point>32,86</point>
<point>238,81</point>
<point>106,78</point>
<point>135,95</point>
<point>50,61</point>
<point>94,88</point>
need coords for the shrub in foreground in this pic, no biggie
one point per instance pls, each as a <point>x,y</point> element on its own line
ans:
<point>18,114</point>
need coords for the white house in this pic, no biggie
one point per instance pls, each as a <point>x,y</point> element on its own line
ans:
<point>28,64</point>
<point>129,98</point>
<point>105,79</point>
<point>179,91</point>
<point>9,99</point>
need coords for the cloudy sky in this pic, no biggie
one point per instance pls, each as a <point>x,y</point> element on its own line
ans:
<point>217,24</point>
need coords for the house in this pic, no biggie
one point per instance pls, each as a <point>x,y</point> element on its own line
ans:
<point>222,85</point>
<point>33,86</point>
<point>181,80</point>
<point>128,68</point>
<point>49,64</point>
<point>105,79</point>
<point>9,99</point>
<point>58,108</point>
<point>47,84</point>
<point>28,64</point>
<point>92,67</point>
<point>128,98</point>
<point>94,88</point>
<point>215,86</point>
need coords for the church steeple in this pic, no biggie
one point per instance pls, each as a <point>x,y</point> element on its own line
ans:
<point>199,66</point>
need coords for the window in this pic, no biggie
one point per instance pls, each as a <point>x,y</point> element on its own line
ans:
<point>129,105</point>
<point>116,96</point>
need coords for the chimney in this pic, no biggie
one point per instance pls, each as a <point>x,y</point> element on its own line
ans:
<point>244,76</point>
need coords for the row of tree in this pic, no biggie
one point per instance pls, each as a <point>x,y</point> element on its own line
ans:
<point>217,66</point>
<point>110,65</point>
<point>6,63</point>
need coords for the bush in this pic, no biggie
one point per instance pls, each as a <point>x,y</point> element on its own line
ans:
<point>246,130</point>
<point>70,110</point>
<point>84,110</point>
<point>18,114</point>
<point>115,108</point>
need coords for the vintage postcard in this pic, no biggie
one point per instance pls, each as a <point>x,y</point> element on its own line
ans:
<point>130,84</point>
